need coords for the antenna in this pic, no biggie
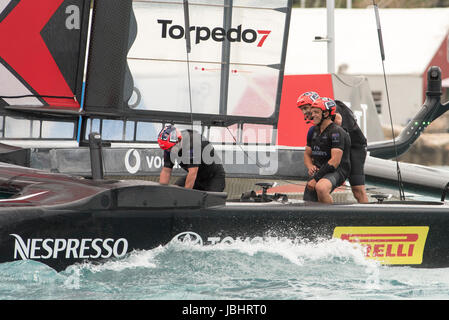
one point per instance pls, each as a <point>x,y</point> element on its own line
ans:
<point>382,54</point>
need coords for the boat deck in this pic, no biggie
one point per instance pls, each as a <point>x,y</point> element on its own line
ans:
<point>294,189</point>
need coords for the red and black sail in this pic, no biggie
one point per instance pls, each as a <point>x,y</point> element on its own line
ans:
<point>42,52</point>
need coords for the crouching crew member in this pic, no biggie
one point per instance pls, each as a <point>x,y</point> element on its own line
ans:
<point>195,155</point>
<point>327,154</point>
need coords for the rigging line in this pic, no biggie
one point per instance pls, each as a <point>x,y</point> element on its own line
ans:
<point>80,42</point>
<point>190,91</point>
<point>398,169</point>
<point>382,53</point>
<point>244,152</point>
<point>188,50</point>
<point>83,120</point>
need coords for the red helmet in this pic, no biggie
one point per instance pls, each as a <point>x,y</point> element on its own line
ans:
<point>325,104</point>
<point>168,137</point>
<point>307,98</point>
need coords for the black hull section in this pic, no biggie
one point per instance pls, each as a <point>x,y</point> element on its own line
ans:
<point>61,237</point>
<point>60,220</point>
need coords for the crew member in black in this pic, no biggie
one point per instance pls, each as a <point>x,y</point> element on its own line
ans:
<point>344,118</point>
<point>327,154</point>
<point>204,169</point>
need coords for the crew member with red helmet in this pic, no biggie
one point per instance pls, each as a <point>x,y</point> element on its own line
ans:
<point>195,155</point>
<point>345,118</point>
<point>304,103</point>
<point>327,154</point>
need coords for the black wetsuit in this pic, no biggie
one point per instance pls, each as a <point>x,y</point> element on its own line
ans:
<point>201,154</point>
<point>322,144</point>
<point>358,144</point>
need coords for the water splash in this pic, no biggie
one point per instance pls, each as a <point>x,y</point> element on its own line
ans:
<point>272,268</point>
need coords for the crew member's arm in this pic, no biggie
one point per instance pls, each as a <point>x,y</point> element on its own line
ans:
<point>165,175</point>
<point>191,177</point>
<point>336,154</point>
<point>308,161</point>
<point>331,165</point>
<point>338,119</point>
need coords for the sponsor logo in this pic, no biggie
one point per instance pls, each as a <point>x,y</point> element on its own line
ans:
<point>134,162</point>
<point>132,167</point>
<point>217,34</point>
<point>69,248</point>
<point>335,137</point>
<point>190,238</point>
<point>388,245</point>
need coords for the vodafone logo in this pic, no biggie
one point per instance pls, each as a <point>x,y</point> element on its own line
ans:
<point>132,166</point>
<point>217,34</point>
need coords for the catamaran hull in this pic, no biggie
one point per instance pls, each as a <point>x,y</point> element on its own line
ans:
<point>392,234</point>
<point>60,220</point>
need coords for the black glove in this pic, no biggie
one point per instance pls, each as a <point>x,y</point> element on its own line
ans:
<point>327,168</point>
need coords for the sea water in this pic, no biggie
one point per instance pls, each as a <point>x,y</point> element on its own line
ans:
<point>270,270</point>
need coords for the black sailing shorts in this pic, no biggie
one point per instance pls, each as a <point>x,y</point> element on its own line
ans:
<point>357,175</point>
<point>336,178</point>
